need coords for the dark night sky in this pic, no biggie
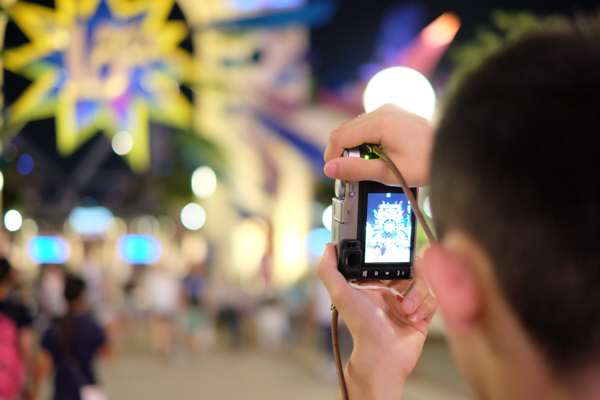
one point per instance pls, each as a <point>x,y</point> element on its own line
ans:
<point>347,42</point>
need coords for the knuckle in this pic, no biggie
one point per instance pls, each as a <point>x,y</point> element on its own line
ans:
<point>335,134</point>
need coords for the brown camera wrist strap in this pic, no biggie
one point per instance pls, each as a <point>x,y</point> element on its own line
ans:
<point>415,208</point>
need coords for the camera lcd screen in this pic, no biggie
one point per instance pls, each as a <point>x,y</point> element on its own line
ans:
<point>388,230</point>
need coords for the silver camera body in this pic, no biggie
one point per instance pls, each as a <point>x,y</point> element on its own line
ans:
<point>373,228</point>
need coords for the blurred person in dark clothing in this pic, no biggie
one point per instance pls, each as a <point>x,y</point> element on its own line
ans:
<point>17,339</point>
<point>198,325</point>
<point>72,343</point>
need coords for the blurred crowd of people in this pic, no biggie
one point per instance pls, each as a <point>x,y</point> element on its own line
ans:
<point>54,327</point>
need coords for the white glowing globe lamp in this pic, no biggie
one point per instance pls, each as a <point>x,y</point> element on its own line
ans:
<point>204,181</point>
<point>402,86</point>
<point>13,220</point>
<point>327,216</point>
<point>122,143</point>
<point>193,216</point>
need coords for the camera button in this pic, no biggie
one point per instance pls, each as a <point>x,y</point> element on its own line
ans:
<point>352,195</point>
<point>374,274</point>
<point>402,273</point>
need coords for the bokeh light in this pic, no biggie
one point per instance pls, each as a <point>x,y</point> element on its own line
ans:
<point>47,249</point>
<point>316,241</point>
<point>90,220</point>
<point>118,228</point>
<point>122,143</point>
<point>194,247</point>
<point>427,207</point>
<point>149,225</point>
<point>139,249</point>
<point>193,216</point>
<point>327,216</point>
<point>13,220</point>
<point>10,152</point>
<point>441,31</point>
<point>29,228</point>
<point>204,181</point>
<point>402,86</point>
<point>249,246</point>
<point>1,180</point>
<point>25,164</point>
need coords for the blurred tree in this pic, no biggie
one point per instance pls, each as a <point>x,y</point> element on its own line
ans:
<point>505,28</point>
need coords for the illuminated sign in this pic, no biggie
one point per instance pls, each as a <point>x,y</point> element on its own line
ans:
<point>139,249</point>
<point>101,65</point>
<point>47,249</point>
<point>90,220</point>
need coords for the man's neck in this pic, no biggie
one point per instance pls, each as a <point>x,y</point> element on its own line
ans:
<point>520,370</point>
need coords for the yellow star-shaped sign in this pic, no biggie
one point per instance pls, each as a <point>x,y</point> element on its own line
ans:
<point>110,65</point>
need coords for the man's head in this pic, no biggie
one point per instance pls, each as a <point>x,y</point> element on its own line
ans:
<point>515,167</point>
<point>6,277</point>
<point>74,289</point>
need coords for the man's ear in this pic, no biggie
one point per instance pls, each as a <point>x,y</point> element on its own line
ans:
<point>455,287</point>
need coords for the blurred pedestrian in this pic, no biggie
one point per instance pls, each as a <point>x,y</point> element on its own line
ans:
<point>71,344</point>
<point>198,326</point>
<point>17,340</point>
<point>50,294</point>
<point>272,324</point>
<point>163,295</point>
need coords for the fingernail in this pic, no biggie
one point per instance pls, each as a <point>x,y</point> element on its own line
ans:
<point>331,168</point>
<point>415,317</point>
<point>409,306</point>
<point>326,250</point>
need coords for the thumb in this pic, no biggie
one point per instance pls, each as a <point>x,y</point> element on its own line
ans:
<point>334,281</point>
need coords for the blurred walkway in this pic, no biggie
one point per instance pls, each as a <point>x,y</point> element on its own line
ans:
<point>247,375</point>
<point>250,374</point>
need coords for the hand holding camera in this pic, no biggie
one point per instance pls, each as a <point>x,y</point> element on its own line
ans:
<point>405,137</point>
<point>388,334</point>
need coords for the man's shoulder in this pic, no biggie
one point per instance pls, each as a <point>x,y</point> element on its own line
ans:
<point>14,309</point>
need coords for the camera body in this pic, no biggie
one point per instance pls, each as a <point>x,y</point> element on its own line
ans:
<point>373,228</point>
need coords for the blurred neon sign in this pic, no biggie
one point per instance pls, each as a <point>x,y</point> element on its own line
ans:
<point>255,5</point>
<point>47,249</point>
<point>139,249</point>
<point>90,220</point>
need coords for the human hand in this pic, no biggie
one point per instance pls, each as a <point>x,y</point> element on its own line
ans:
<point>388,334</point>
<point>404,136</point>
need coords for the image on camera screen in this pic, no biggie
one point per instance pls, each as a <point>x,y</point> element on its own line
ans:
<point>389,228</point>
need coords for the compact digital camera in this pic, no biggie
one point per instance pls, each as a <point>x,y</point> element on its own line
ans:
<point>373,228</point>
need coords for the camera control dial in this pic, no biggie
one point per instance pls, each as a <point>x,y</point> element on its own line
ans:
<point>340,189</point>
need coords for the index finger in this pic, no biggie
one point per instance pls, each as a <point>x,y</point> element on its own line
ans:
<point>374,127</point>
<point>351,134</point>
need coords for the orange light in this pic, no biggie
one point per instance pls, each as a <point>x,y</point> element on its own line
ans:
<point>441,31</point>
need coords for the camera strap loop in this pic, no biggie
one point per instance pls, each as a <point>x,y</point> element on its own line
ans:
<point>396,293</point>
<point>415,209</point>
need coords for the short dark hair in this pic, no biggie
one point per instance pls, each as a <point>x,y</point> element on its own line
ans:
<point>5,269</point>
<point>74,287</point>
<point>516,165</point>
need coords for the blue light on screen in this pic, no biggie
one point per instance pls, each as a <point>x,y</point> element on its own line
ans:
<point>47,249</point>
<point>139,249</point>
